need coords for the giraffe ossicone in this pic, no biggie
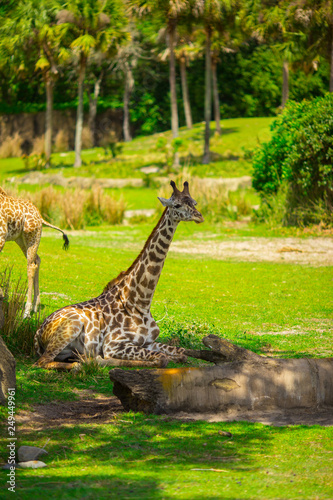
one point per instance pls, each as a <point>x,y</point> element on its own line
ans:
<point>117,328</point>
<point>20,221</point>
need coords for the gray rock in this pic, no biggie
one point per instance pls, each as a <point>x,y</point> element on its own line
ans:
<point>26,453</point>
<point>8,466</point>
<point>32,464</point>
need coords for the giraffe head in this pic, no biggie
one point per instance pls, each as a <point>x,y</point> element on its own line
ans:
<point>182,205</point>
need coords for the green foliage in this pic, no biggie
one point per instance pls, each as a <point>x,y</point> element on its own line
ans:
<point>150,120</point>
<point>35,161</point>
<point>17,331</point>
<point>300,153</point>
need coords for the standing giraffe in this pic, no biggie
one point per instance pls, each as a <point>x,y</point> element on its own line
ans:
<point>20,221</point>
<point>118,325</point>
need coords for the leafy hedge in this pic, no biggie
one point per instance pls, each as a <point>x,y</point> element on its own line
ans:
<point>299,154</point>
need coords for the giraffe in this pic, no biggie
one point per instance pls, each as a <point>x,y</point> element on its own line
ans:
<point>20,221</point>
<point>117,328</point>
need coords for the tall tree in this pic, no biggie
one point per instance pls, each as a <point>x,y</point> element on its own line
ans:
<point>215,15</point>
<point>167,12</point>
<point>124,63</point>
<point>91,26</point>
<point>33,23</point>
<point>276,24</point>
<point>315,20</point>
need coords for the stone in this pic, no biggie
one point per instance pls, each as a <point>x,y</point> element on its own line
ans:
<point>32,464</point>
<point>153,169</point>
<point>27,453</point>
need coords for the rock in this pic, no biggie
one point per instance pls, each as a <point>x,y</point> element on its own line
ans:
<point>26,453</point>
<point>32,464</point>
<point>153,169</point>
<point>9,466</point>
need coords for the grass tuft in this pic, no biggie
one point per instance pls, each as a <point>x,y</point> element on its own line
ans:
<point>18,332</point>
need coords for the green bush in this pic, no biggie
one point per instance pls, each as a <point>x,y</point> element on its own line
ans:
<point>300,154</point>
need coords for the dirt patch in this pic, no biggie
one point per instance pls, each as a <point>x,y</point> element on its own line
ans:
<point>297,416</point>
<point>87,409</point>
<point>103,409</point>
<point>310,251</point>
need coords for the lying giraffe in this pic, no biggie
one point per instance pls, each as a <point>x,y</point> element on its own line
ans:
<point>20,221</point>
<point>117,327</point>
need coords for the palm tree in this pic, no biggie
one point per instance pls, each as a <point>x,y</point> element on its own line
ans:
<point>315,20</point>
<point>215,15</point>
<point>167,12</point>
<point>278,26</point>
<point>33,23</point>
<point>124,63</point>
<point>91,26</point>
<point>185,51</point>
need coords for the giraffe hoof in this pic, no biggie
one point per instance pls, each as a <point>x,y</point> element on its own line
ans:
<point>163,361</point>
<point>182,358</point>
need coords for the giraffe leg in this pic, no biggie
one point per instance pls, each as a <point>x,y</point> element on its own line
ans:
<point>177,354</point>
<point>29,242</point>
<point>2,244</point>
<point>131,352</point>
<point>36,302</point>
<point>56,336</point>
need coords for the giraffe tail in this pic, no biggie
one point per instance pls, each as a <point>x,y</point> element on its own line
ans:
<point>65,237</point>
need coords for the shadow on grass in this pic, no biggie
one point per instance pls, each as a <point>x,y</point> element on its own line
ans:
<point>137,456</point>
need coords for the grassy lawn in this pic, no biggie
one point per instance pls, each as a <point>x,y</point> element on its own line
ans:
<point>280,309</point>
<point>238,136</point>
<point>150,457</point>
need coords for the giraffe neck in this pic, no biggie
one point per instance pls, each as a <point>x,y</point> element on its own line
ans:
<point>138,287</point>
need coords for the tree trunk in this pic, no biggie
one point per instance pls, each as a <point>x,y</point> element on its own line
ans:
<point>79,116</point>
<point>48,118</point>
<point>208,98</point>
<point>331,66</point>
<point>217,115</point>
<point>240,381</point>
<point>172,79</point>
<point>7,371</point>
<point>129,85</point>
<point>186,97</point>
<point>285,85</point>
<point>93,108</point>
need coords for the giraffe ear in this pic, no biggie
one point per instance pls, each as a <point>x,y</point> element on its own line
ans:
<point>165,202</point>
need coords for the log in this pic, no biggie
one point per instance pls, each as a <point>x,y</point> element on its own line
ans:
<point>240,380</point>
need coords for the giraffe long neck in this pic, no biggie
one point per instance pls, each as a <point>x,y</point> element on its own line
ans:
<point>142,277</point>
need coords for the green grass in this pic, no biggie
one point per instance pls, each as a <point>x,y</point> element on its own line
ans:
<point>256,305</point>
<point>238,136</point>
<point>153,458</point>
<point>149,457</point>
<point>242,300</point>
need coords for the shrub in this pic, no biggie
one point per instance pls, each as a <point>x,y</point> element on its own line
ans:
<point>300,153</point>
<point>18,332</point>
<point>61,141</point>
<point>11,147</point>
<point>38,145</point>
<point>110,145</point>
<point>87,141</point>
<point>35,161</point>
<point>214,201</point>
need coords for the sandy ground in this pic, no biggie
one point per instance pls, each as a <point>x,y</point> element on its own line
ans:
<point>309,251</point>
